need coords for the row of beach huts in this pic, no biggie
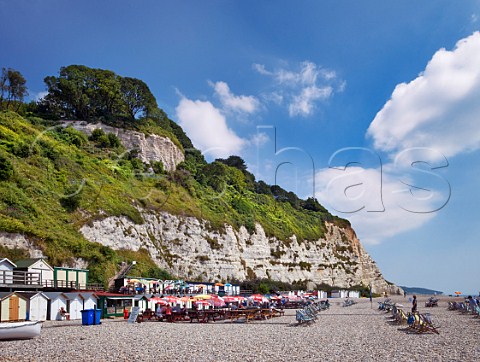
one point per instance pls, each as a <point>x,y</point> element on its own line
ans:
<point>41,306</point>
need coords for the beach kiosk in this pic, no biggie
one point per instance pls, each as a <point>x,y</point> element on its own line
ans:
<point>113,304</point>
<point>57,301</point>
<point>37,305</point>
<point>13,307</point>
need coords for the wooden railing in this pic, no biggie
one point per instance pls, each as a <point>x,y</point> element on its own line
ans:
<point>20,278</point>
<point>63,284</point>
<point>31,279</point>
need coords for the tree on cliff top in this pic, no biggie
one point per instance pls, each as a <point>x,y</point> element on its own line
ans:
<point>12,88</point>
<point>91,94</point>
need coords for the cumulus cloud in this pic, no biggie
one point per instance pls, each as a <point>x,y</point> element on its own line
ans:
<point>303,104</point>
<point>380,202</point>
<point>231,102</point>
<point>302,88</point>
<point>39,96</point>
<point>207,128</point>
<point>438,109</point>
<point>259,139</point>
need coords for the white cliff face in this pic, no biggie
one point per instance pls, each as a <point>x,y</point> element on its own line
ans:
<point>188,248</point>
<point>151,148</point>
<point>19,241</point>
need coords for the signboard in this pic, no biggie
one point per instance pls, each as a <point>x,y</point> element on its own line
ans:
<point>133,314</point>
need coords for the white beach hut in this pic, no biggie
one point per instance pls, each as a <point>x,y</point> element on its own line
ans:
<point>37,305</point>
<point>6,271</point>
<point>141,301</point>
<point>322,295</point>
<point>57,300</point>
<point>339,294</point>
<point>75,305</point>
<point>38,265</point>
<point>90,300</point>
<point>354,294</point>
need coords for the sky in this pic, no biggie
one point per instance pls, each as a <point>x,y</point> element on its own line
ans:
<point>371,107</point>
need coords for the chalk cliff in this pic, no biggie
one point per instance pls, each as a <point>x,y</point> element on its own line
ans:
<point>151,148</point>
<point>188,247</point>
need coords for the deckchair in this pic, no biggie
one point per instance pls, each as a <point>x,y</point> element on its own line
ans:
<point>427,324</point>
<point>303,318</point>
<point>423,323</point>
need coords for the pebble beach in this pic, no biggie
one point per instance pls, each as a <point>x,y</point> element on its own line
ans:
<point>356,333</point>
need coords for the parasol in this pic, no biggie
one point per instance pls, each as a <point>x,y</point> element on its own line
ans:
<point>203,296</point>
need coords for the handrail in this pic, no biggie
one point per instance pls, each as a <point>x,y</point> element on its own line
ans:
<point>20,277</point>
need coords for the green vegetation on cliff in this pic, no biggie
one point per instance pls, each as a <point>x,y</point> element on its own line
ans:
<point>55,179</point>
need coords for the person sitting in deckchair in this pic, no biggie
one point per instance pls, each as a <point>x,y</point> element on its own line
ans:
<point>64,314</point>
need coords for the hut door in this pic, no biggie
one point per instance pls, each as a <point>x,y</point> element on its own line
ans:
<point>14,305</point>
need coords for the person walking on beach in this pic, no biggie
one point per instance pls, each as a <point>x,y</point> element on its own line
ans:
<point>414,304</point>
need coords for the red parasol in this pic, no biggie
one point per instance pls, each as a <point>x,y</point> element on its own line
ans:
<point>158,300</point>
<point>258,298</point>
<point>171,299</point>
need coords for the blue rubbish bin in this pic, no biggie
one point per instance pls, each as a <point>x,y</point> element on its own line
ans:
<point>87,317</point>
<point>98,314</point>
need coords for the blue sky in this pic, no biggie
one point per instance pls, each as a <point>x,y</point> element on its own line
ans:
<point>300,90</point>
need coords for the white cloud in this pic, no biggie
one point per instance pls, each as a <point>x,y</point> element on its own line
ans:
<point>260,68</point>
<point>207,128</point>
<point>303,104</point>
<point>259,139</point>
<point>439,109</point>
<point>303,88</point>
<point>376,202</point>
<point>274,97</point>
<point>231,102</point>
<point>40,95</point>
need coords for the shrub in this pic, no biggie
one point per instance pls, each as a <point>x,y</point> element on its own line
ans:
<point>114,141</point>
<point>157,167</point>
<point>96,134</point>
<point>71,200</point>
<point>6,168</point>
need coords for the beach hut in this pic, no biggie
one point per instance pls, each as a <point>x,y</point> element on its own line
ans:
<point>13,307</point>
<point>37,305</point>
<point>71,278</point>
<point>75,305</point>
<point>322,295</point>
<point>141,301</point>
<point>90,300</point>
<point>57,300</point>
<point>6,271</point>
<point>37,265</point>
<point>353,294</point>
<point>339,294</point>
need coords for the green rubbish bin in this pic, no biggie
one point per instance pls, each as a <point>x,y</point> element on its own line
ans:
<point>98,314</point>
<point>87,317</point>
